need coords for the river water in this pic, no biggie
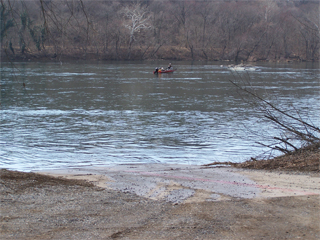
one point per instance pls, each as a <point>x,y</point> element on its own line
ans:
<point>97,114</point>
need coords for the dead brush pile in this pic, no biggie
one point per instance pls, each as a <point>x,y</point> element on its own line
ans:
<point>306,159</point>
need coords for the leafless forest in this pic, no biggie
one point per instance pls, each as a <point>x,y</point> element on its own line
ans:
<point>260,30</point>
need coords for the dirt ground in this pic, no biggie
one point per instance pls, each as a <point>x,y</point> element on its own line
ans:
<point>35,206</point>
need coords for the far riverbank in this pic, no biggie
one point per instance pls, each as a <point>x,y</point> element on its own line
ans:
<point>181,54</point>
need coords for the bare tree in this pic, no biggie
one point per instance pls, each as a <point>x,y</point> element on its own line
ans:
<point>5,21</point>
<point>139,19</point>
<point>225,30</point>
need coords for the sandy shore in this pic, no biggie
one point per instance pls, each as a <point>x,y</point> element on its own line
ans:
<point>190,183</point>
<point>159,202</point>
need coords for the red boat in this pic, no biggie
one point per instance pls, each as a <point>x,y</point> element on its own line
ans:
<point>164,71</point>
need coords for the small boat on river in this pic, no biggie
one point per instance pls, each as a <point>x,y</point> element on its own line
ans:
<point>163,71</point>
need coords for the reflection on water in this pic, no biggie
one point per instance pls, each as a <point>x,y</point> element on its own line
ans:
<point>98,114</point>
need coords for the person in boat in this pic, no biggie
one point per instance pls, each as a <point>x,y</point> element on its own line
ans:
<point>156,70</point>
<point>169,66</point>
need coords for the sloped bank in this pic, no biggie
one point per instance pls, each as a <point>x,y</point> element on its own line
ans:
<point>37,206</point>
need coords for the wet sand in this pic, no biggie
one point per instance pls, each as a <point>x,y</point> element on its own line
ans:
<point>189,183</point>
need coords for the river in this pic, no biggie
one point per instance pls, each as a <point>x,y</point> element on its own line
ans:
<point>97,114</point>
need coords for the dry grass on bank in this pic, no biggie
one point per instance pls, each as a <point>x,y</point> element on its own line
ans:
<point>306,160</point>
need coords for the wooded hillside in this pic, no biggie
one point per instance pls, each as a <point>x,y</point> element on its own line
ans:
<point>268,30</point>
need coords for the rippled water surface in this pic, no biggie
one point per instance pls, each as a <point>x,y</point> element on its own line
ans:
<point>81,114</point>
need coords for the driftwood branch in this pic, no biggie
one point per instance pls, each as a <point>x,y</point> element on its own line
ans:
<point>301,132</point>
